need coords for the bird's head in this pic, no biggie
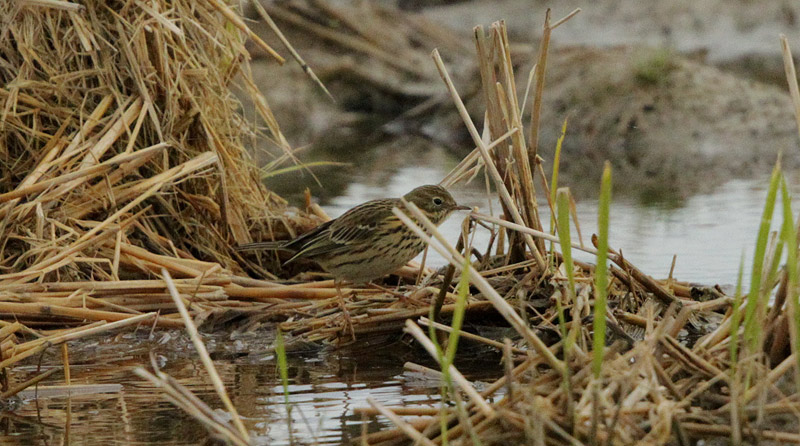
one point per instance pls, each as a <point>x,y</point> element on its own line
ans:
<point>434,201</point>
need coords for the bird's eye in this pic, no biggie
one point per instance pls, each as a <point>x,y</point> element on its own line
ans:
<point>437,201</point>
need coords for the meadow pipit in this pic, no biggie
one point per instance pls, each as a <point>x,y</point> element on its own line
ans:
<point>368,241</point>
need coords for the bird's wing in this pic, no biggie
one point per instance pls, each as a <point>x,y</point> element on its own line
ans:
<point>358,225</point>
<point>310,242</point>
<point>265,246</point>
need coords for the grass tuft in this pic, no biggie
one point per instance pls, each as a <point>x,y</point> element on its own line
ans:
<point>654,66</point>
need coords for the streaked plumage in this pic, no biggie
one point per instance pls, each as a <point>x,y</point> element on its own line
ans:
<point>368,241</point>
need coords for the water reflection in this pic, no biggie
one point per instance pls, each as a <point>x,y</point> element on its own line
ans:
<point>324,388</point>
<point>136,414</point>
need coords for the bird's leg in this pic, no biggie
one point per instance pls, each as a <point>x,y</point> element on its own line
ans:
<point>404,300</point>
<point>345,313</point>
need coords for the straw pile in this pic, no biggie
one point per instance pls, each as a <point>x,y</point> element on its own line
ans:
<point>122,153</point>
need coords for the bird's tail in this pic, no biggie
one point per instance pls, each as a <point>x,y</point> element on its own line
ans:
<point>266,246</point>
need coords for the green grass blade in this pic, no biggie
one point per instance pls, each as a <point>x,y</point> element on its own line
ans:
<point>789,238</point>
<point>296,167</point>
<point>601,273</point>
<point>458,317</point>
<point>775,262</point>
<point>283,368</point>
<point>283,371</point>
<point>447,357</point>
<point>554,178</point>
<point>446,380</point>
<point>562,208</point>
<point>433,335</point>
<point>736,316</point>
<point>752,327</point>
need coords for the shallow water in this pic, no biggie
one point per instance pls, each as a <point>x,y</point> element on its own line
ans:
<point>708,232</point>
<point>324,388</point>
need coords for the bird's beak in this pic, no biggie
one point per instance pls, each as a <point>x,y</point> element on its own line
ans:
<point>462,208</point>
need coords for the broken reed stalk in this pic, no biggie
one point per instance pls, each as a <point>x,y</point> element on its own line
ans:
<point>425,322</point>
<point>452,256</point>
<point>65,364</point>
<point>503,112</point>
<point>399,422</point>
<point>234,18</point>
<point>527,230</point>
<point>76,313</point>
<point>400,410</point>
<point>791,77</point>
<point>487,159</point>
<point>24,385</point>
<point>183,398</point>
<point>473,160</point>
<point>272,26</point>
<point>204,357</point>
<point>541,66</point>
<point>459,379</point>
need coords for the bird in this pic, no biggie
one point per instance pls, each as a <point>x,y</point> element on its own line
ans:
<point>368,241</point>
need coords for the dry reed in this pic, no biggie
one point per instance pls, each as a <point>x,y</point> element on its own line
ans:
<point>667,374</point>
<point>122,156</point>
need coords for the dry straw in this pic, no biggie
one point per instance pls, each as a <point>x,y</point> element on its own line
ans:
<point>674,383</point>
<point>122,156</point>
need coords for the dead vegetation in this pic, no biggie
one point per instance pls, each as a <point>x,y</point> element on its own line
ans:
<point>665,363</point>
<point>123,164</point>
<point>122,154</point>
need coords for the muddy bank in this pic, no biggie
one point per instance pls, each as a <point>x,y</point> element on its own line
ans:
<point>741,36</point>
<point>672,124</point>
